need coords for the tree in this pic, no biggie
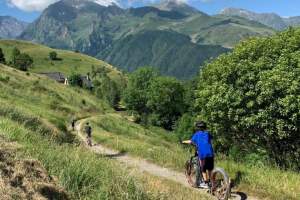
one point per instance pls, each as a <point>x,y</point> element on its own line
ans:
<point>53,55</point>
<point>15,53</point>
<point>108,90</point>
<point>75,80</point>
<point>165,100</point>
<point>135,95</point>
<point>250,97</point>
<point>2,57</point>
<point>23,61</point>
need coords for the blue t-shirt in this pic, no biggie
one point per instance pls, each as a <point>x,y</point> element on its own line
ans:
<point>202,140</point>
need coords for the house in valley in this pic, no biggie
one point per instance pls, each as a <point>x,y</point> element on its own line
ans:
<point>87,82</point>
<point>57,76</point>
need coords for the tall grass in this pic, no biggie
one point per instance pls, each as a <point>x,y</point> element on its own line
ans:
<point>82,173</point>
<point>257,180</point>
<point>155,145</point>
<point>35,112</point>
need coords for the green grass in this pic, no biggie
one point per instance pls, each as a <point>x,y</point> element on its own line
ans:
<point>81,173</point>
<point>161,147</point>
<point>71,61</point>
<point>153,144</point>
<point>35,112</point>
<point>263,181</point>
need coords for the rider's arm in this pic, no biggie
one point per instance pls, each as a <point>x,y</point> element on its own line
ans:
<point>187,142</point>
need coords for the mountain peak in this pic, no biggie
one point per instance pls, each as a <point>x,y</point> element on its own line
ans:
<point>11,27</point>
<point>80,3</point>
<point>177,5</point>
<point>269,19</point>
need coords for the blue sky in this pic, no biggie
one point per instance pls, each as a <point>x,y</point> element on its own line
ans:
<point>28,10</point>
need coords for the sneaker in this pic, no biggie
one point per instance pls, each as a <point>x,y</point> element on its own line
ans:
<point>204,186</point>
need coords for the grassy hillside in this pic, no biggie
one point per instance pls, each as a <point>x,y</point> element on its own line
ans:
<point>69,61</point>
<point>35,113</point>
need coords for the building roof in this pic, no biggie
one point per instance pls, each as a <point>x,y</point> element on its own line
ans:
<point>87,81</point>
<point>58,76</point>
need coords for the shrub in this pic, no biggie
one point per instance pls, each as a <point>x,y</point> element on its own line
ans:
<point>75,80</point>
<point>165,100</point>
<point>250,97</point>
<point>135,95</point>
<point>53,55</point>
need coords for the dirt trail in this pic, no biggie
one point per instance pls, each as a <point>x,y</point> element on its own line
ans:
<point>145,166</point>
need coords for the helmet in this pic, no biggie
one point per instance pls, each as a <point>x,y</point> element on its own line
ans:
<point>200,124</point>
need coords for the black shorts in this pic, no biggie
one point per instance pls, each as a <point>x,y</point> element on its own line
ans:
<point>207,164</point>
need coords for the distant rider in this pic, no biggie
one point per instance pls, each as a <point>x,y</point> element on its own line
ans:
<point>202,139</point>
<point>73,124</point>
<point>88,131</point>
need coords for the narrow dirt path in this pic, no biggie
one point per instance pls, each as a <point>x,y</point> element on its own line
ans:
<point>145,166</point>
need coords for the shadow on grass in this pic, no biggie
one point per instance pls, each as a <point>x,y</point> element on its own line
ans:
<point>237,179</point>
<point>115,155</point>
<point>235,182</point>
<point>241,195</point>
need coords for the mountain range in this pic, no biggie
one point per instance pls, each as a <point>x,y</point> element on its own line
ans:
<point>10,27</point>
<point>269,19</point>
<point>173,37</point>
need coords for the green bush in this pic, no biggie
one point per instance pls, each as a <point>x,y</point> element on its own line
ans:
<point>53,55</point>
<point>185,126</point>
<point>250,97</point>
<point>75,80</point>
<point>135,95</point>
<point>165,100</point>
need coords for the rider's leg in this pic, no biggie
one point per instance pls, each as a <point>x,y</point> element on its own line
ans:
<point>203,170</point>
<point>209,174</point>
<point>205,176</point>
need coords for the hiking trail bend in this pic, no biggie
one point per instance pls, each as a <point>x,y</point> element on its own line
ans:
<point>143,165</point>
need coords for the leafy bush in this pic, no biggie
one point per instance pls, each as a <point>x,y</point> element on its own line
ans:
<point>20,60</point>
<point>53,55</point>
<point>165,100</point>
<point>23,61</point>
<point>157,100</point>
<point>135,95</point>
<point>185,126</point>
<point>251,97</point>
<point>75,80</point>
<point>108,90</point>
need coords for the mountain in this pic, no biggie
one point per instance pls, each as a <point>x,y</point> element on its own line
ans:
<point>102,31</point>
<point>269,19</point>
<point>10,27</point>
<point>178,6</point>
<point>292,21</point>
<point>160,49</point>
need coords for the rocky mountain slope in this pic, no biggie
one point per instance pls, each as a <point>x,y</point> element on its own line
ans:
<point>269,19</point>
<point>10,27</point>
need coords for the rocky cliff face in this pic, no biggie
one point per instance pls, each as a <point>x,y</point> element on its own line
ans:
<point>269,19</point>
<point>11,27</point>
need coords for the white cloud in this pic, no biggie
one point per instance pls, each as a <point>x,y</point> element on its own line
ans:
<point>31,5</point>
<point>39,5</point>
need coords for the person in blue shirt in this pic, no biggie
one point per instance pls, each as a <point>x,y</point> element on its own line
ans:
<point>202,139</point>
